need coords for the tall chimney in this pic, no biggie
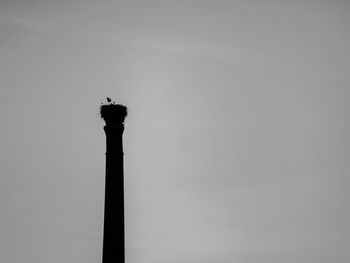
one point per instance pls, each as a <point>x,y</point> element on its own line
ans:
<point>113,233</point>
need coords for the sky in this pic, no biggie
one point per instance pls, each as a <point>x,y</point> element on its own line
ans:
<point>236,143</point>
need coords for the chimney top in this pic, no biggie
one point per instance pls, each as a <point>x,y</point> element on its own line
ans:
<point>113,114</point>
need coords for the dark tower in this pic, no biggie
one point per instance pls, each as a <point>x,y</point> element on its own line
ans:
<point>113,233</point>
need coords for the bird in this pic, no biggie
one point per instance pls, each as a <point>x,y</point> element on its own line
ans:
<point>109,99</point>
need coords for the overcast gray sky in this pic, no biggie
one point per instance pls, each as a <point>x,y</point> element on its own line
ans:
<point>236,143</point>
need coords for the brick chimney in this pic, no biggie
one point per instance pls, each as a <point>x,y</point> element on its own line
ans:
<point>113,233</point>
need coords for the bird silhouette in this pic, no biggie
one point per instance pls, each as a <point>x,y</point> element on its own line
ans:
<point>109,99</point>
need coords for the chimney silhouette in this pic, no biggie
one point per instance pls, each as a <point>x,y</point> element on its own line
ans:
<point>113,233</point>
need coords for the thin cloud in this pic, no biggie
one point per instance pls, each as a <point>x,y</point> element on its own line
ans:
<point>131,37</point>
<point>140,38</point>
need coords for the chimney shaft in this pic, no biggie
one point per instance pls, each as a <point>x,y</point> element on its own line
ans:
<point>113,233</point>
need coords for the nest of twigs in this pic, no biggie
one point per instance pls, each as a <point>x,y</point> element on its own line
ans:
<point>113,113</point>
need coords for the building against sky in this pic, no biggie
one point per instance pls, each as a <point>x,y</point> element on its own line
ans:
<point>237,143</point>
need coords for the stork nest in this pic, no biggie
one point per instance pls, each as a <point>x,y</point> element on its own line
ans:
<point>113,113</point>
